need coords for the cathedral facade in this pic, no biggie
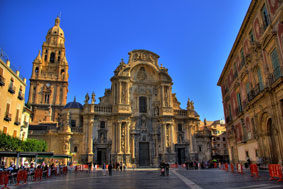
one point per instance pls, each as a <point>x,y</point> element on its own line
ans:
<point>138,121</point>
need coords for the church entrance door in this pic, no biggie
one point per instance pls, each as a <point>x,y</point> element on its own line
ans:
<point>181,156</point>
<point>144,154</point>
<point>101,156</point>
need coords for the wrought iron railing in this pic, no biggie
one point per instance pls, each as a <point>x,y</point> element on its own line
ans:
<point>275,75</point>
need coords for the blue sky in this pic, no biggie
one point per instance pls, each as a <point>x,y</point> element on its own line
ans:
<point>192,38</point>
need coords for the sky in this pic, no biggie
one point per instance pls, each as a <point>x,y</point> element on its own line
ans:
<point>193,39</point>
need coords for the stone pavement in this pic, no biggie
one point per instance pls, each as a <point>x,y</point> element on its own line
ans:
<point>150,178</point>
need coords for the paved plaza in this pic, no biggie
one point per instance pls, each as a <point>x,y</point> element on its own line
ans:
<point>150,178</point>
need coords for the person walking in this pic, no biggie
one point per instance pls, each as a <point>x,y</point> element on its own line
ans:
<point>89,167</point>
<point>167,169</point>
<point>103,169</point>
<point>121,166</point>
<point>110,169</point>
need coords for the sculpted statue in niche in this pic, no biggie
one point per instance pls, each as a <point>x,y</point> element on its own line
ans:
<point>166,96</point>
<point>143,123</point>
<point>124,93</point>
<point>156,111</point>
<point>141,74</point>
<point>101,138</point>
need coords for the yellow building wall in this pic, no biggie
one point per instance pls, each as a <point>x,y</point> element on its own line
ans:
<point>13,126</point>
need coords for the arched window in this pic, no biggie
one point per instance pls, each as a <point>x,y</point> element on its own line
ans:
<point>142,102</point>
<point>75,149</point>
<point>36,70</point>
<point>52,57</point>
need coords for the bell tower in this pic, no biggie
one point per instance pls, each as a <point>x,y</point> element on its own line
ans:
<point>49,79</point>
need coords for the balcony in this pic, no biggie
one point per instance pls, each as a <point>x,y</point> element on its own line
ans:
<point>20,96</point>
<point>2,80</point>
<point>107,109</point>
<point>228,119</point>
<point>180,113</point>
<point>273,77</point>
<point>239,111</point>
<point>17,121</point>
<point>254,92</point>
<point>77,129</point>
<point>11,89</point>
<point>7,117</point>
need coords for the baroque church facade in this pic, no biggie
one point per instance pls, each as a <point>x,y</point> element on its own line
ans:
<point>138,121</point>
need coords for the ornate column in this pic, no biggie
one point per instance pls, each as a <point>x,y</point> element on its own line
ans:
<point>57,94</point>
<point>133,146</point>
<point>119,125</point>
<point>119,93</point>
<point>113,138</point>
<point>162,95</point>
<point>90,126</point>
<point>172,138</point>
<point>164,137</point>
<point>191,138</point>
<point>31,94</point>
<point>128,138</point>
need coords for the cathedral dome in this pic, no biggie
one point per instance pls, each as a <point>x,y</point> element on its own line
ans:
<point>73,105</point>
<point>56,30</point>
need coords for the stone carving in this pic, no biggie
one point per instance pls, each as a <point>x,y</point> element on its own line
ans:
<point>123,138</point>
<point>86,98</point>
<point>141,74</point>
<point>156,111</point>
<point>92,98</point>
<point>120,67</point>
<point>190,105</point>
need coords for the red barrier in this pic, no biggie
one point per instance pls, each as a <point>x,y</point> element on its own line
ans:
<point>215,165</point>
<point>226,167</point>
<point>254,170</point>
<point>22,176</point>
<point>275,170</point>
<point>232,167</point>
<point>64,170</point>
<point>4,178</point>
<point>240,168</point>
<point>37,174</point>
<point>173,166</point>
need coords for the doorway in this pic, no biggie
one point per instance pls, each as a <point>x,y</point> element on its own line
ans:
<point>144,154</point>
<point>181,156</point>
<point>101,156</point>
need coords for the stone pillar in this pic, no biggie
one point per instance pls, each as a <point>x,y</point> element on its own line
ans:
<point>172,138</point>
<point>57,94</point>
<point>119,137</point>
<point>90,126</point>
<point>64,96</point>
<point>113,138</point>
<point>191,139</point>
<point>133,145</point>
<point>128,138</point>
<point>31,94</point>
<point>164,138</point>
<point>119,92</point>
<point>156,146</point>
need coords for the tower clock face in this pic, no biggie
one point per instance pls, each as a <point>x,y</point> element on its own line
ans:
<point>47,84</point>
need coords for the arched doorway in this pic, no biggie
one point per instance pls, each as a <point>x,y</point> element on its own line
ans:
<point>271,132</point>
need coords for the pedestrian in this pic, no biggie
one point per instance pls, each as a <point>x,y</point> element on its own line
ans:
<point>117,166</point>
<point>167,169</point>
<point>89,167</point>
<point>162,169</point>
<point>121,166</point>
<point>110,169</point>
<point>103,169</point>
